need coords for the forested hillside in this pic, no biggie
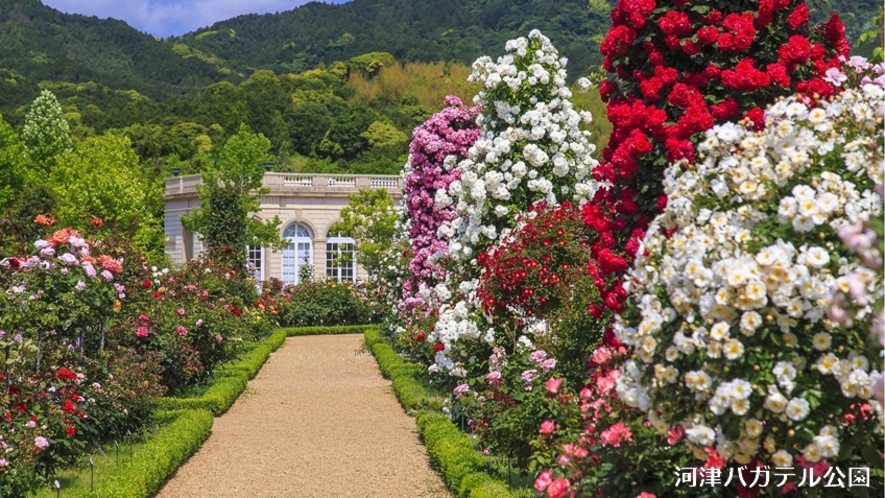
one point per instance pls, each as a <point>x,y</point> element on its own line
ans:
<point>42,44</point>
<point>412,30</point>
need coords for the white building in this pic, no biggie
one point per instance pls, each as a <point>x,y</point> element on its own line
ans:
<point>307,204</point>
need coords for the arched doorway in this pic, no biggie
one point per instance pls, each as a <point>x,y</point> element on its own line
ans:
<point>298,253</point>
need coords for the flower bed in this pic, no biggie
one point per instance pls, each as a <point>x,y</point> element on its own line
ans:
<point>182,424</point>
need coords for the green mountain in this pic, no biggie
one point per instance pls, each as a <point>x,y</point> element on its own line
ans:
<point>42,44</point>
<point>110,65</point>
<point>411,30</point>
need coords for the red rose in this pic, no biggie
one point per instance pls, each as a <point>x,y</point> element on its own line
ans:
<point>714,17</point>
<point>834,31</point>
<point>708,35</point>
<point>778,73</point>
<point>672,42</point>
<point>798,17</point>
<point>726,41</point>
<point>713,71</point>
<point>65,374</point>
<point>662,202</point>
<point>420,336</point>
<point>656,58</point>
<point>438,347</point>
<point>650,88</point>
<point>146,284</point>
<point>690,47</point>
<point>724,110</point>
<point>668,75</point>
<point>756,117</point>
<point>675,23</point>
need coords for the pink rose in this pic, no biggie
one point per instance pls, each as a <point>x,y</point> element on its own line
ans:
<point>601,355</point>
<point>182,331</point>
<point>218,338</point>
<point>180,311</point>
<point>646,494</point>
<point>141,332</point>
<point>675,434</point>
<point>552,385</point>
<point>41,443</point>
<point>547,427</point>
<point>543,481</point>
<point>558,488</point>
<point>616,434</point>
<point>494,378</point>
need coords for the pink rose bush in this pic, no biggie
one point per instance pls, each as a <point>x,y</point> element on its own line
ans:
<point>438,145</point>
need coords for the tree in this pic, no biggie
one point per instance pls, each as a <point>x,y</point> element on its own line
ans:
<point>13,160</point>
<point>46,132</point>
<point>230,195</point>
<point>101,178</point>
<point>370,220</point>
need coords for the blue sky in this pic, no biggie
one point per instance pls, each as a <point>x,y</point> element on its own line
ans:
<point>163,18</point>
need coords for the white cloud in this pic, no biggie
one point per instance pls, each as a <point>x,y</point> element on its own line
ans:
<point>171,17</point>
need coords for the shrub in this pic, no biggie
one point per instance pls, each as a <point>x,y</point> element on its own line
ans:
<point>733,345</point>
<point>324,303</point>
<point>142,475</point>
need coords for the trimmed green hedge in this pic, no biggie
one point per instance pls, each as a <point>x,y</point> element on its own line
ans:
<point>322,330</point>
<point>142,475</point>
<point>230,379</point>
<point>450,450</point>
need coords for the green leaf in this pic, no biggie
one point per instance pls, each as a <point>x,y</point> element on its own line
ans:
<point>871,456</point>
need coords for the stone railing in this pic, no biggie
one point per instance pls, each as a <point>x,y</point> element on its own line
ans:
<point>290,183</point>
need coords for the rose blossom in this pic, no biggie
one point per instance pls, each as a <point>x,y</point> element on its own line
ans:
<point>41,443</point>
<point>547,427</point>
<point>558,488</point>
<point>141,332</point>
<point>552,385</point>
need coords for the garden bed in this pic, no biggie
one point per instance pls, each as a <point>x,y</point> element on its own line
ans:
<point>136,466</point>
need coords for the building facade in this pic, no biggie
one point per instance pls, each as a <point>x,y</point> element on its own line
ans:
<point>307,204</point>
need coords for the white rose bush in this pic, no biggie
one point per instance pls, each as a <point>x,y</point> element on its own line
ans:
<point>734,351</point>
<point>531,149</point>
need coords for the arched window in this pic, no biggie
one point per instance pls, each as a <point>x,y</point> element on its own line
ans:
<point>340,257</point>
<point>298,254</point>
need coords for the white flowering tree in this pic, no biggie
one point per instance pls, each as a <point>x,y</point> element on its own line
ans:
<point>46,132</point>
<point>531,149</point>
<point>730,290</point>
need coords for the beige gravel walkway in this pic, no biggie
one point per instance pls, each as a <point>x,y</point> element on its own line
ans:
<point>317,421</point>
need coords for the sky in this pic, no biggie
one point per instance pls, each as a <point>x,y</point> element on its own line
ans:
<point>163,18</point>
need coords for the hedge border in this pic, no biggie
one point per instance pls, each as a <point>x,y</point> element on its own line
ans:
<point>231,379</point>
<point>323,330</point>
<point>142,475</point>
<point>192,418</point>
<point>450,450</point>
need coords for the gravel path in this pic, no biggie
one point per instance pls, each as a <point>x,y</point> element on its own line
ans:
<point>317,421</point>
